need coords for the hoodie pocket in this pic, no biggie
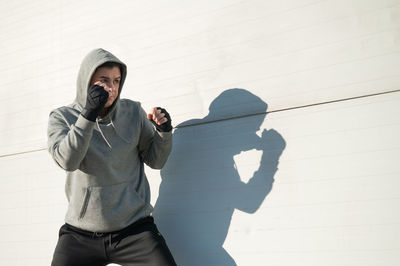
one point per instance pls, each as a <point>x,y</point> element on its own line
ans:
<point>78,202</point>
<point>110,204</point>
<point>84,204</point>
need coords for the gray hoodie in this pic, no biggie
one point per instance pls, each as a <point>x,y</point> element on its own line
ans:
<point>106,186</point>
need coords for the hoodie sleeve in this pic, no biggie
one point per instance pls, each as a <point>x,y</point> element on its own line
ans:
<point>68,144</point>
<point>154,146</point>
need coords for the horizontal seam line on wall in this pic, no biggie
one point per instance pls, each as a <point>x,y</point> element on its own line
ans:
<point>22,152</point>
<point>289,108</point>
<point>244,116</point>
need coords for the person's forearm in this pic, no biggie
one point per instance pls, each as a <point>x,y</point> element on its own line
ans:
<point>159,149</point>
<point>68,145</point>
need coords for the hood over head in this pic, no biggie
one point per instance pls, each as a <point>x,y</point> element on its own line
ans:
<point>89,65</point>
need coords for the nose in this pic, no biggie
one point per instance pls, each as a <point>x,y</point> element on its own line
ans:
<point>111,87</point>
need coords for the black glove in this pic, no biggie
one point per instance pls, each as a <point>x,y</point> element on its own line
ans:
<point>96,99</point>
<point>165,127</point>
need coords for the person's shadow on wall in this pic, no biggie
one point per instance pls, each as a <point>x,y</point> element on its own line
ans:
<point>201,186</point>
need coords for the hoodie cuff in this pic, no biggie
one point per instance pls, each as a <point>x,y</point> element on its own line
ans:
<point>84,123</point>
<point>164,136</point>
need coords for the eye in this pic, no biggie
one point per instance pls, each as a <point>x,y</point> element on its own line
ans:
<point>116,81</point>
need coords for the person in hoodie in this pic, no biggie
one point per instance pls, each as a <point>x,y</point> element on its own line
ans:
<point>102,142</point>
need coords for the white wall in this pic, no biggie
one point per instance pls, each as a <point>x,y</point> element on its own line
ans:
<point>328,71</point>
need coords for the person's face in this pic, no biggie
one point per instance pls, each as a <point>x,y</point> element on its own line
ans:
<point>109,79</point>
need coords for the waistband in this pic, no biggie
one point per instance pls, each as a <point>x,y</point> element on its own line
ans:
<point>139,226</point>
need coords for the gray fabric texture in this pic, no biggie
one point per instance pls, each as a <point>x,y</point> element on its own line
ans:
<point>106,186</point>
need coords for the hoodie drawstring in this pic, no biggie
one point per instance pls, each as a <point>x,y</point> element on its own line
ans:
<point>101,132</point>
<point>116,131</point>
<point>112,124</point>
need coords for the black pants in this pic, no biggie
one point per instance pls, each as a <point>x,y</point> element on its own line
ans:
<point>139,244</point>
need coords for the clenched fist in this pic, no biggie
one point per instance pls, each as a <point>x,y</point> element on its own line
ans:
<point>95,101</point>
<point>161,119</point>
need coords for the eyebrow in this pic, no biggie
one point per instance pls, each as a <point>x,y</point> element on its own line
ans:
<point>105,77</point>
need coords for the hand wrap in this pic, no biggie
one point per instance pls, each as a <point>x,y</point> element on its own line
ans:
<point>96,99</point>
